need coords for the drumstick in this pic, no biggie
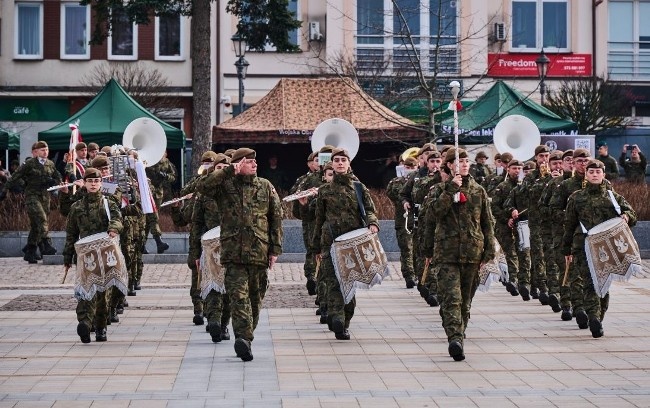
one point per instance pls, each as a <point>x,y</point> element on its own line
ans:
<point>65,274</point>
<point>566,274</point>
<point>317,268</point>
<point>425,272</point>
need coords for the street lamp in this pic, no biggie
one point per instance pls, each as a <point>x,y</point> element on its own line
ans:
<point>542,68</point>
<point>239,46</point>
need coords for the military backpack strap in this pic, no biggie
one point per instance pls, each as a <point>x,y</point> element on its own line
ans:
<point>108,211</point>
<point>362,208</point>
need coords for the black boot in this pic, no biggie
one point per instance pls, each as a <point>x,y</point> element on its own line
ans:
<point>131,291</point>
<point>136,285</point>
<point>100,335</point>
<point>114,317</point>
<point>160,245</point>
<point>46,247</point>
<point>30,254</point>
<point>38,255</point>
<point>225,335</point>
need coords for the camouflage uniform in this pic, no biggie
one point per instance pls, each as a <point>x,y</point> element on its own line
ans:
<point>406,196</point>
<point>590,206</point>
<point>337,212</point>
<point>463,238</point>
<point>404,239</point>
<point>611,168</point>
<point>306,214</point>
<point>251,232</point>
<point>480,172</point>
<point>518,199</point>
<point>37,177</point>
<point>506,235</point>
<point>492,181</point>
<point>535,184</point>
<point>162,176</point>
<point>634,171</point>
<point>88,216</point>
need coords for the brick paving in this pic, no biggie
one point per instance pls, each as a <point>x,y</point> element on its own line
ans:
<point>519,354</point>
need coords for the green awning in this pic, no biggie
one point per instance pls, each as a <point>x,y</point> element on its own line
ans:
<point>476,123</point>
<point>9,140</point>
<point>104,120</point>
<point>417,110</point>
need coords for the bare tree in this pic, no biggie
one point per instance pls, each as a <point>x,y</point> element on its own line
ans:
<point>593,105</point>
<point>148,86</point>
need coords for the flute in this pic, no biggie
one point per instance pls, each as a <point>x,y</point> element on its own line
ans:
<point>53,188</point>
<point>175,200</point>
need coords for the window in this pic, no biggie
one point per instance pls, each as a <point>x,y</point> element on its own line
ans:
<point>538,24</point>
<point>29,31</point>
<point>412,29</point>
<point>169,37</point>
<point>628,46</point>
<point>75,36</point>
<point>123,41</point>
<point>294,38</point>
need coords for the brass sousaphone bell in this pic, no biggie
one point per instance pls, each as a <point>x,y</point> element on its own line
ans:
<point>517,135</point>
<point>338,133</point>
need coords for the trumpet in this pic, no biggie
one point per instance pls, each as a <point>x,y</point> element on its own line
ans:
<point>301,194</point>
<point>544,169</point>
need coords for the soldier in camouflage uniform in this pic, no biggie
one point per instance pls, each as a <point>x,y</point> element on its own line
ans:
<point>463,239</point>
<point>499,175</point>
<point>635,166</point>
<point>162,176</point>
<point>403,227</point>
<point>338,212</point>
<point>534,184</point>
<point>75,171</point>
<point>587,208</point>
<point>406,196</point>
<point>89,216</point>
<point>251,239</point>
<point>206,216</point>
<point>37,174</point>
<point>546,228</point>
<point>480,170</point>
<point>611,168</point>
<point>558,204</point>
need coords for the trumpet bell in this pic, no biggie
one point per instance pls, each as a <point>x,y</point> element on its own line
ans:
<point>338,133</point>
<point>147,137</point>
<point>518,135</point>
<point>410,152</point>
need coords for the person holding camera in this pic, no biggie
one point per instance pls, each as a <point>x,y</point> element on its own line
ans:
<point>38,173</point>
<point>634,166</point>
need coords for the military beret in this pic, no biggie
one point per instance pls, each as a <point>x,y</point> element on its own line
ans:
<point>241,153</point>
<point>506,157</point>
<point>434,155</point>
<point>92,146</point>
<point>595,164</point>
<point>107,150</point>
<point>567,153</point>
<point>229,152</point>
<point>338,151</point>
<point>497,156</point>
<point>92,173</point>
<point>542,149</point>
<point>580,152</point>
<point>99,162</point>
<point>451,154</point>
<point>601,144</point>
<point>481,154</point>
<point>100,153</point>
<point>427,147</point>
<point>411,161</point>
<point>208,156</point>
<point>221,158</point>
<point>530,165</point>
<point>80,145</point>
<point>514,162</point>
<point>326,149</point>
<point>556,155</point>
<point>328,166</point>
<point>311,156</point>
<point>39,145</point>
<point>445,148</point>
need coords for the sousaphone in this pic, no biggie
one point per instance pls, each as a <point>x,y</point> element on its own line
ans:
<point>338,133</point>
<point>148,137</point>
<point>517,135</point>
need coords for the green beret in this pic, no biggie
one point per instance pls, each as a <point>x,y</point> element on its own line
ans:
<point>514,162</point>
<point>326,149</point>
<point>241,153</point>
<point>221,158</point>
<point>411,161</point>
<point>92,146</point>
<point>434,155</point>
<point>595,164</point>
<point>427,147</point>
<point>542,149</point>
<point>99,162</point>
<point>481,154</point>
<point>92,173</point>
<point>580,152</point>
<point>80,145</point>
<point>497,156</point>
<point>530,165</point>
<point>338,151</point>
<point>39,145</point>
<point>567,153</point>
<point>451,154</point>
<point>556,155</point>
<point>311,156</point>
<point>208,156</point>
<point>506,157</point>
<point>229,152</point>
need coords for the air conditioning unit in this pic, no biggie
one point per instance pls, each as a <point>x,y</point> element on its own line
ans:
<point>314,31</point>
<point>499,31</point>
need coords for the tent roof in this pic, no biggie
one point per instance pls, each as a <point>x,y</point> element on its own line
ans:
<point>477,122</point>
<point>9,140</point>
<point>104,120</point>
<point>294,107</point>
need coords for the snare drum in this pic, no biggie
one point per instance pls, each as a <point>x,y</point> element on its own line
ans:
<point>212,273</point>
<point>523,231</point>
<point>359,261</point>
<point>100,265</point>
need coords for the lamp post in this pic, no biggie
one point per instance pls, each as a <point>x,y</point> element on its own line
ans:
<point>239,45</point>
<point>455,90</point>
<point>542,68</point>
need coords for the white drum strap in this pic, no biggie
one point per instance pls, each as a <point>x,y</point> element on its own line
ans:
<point>108,212</point>
<point>616,206</point>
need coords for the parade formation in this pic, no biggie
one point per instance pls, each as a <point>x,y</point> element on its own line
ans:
<point>555,225</point>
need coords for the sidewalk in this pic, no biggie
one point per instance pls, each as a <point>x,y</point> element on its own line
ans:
<point>519,354</point>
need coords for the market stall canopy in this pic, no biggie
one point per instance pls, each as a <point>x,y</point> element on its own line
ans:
<point>9,140</point>
<point>476,123</point>
<point>290,112</point>
<point>104,119</point>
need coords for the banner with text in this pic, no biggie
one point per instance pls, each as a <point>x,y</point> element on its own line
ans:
<point>524,65</point>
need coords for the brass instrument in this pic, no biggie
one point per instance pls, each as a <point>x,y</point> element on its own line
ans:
<point>338,133</point>
<point>517,135</point>
<point>410,152</point>
<point>544,169</point>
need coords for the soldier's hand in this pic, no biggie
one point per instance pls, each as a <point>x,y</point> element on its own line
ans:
<point>515,214</point>
<point>319,257</point>
<point>626,218</point>
<point>272,259</point>
<point>458,180</point>
<point>511,223</point>
<point>303,200</point>
<point>568,259</point>
<point>112,234</point>
<point>407,206</point>
<point>198,264</point>
<point>373,228</point>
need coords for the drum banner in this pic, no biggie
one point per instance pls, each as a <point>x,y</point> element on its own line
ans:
<point>100,265</point>
<point>212,273</point>
<point>359,263</point>
<point>494,270</point>
<point>612,254</point>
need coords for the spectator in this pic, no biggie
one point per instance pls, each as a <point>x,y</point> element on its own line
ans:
<point>611,168</point>
<point>275,175</point>
<point>634,166</point>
